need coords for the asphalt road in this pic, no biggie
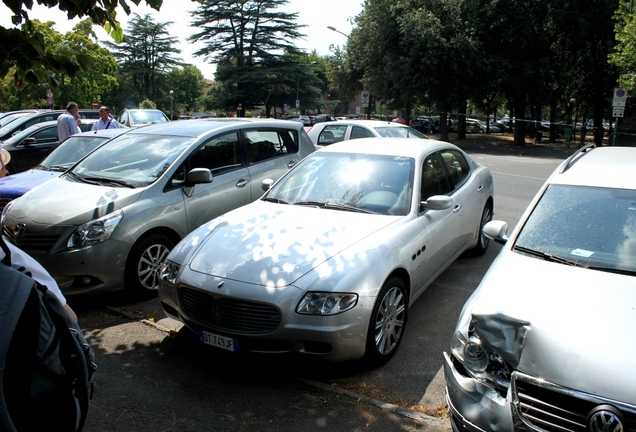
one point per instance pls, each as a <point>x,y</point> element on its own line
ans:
<point>153,376</point>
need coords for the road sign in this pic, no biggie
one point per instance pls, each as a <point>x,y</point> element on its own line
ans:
<point>365,99</point>
<point>620,97</point>
<point>95,104</point>
<point>618,111</point>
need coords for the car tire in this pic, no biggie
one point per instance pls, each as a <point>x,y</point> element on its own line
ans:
<point>482,241</point>
<point>387,323</point>
<point>144,263</point>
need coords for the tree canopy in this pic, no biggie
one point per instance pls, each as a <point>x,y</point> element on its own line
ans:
<point>23,48</point>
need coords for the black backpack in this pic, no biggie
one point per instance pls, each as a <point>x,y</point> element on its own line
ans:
<point>46,365</point>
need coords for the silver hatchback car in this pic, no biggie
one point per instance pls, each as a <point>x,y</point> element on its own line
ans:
<point>112,219</point>
<point>545,343</point>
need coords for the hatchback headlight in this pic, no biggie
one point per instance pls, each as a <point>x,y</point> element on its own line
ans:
<point>169,272</point>
<point>325,303</point>
<point>95,231</point>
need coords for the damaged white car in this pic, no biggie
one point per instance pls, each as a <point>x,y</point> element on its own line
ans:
<point>545,342</point>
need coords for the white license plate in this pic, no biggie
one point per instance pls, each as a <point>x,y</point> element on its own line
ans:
<point>219,341</point>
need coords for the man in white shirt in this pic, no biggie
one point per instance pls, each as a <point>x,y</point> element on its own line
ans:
<point>105,120</point>
<point>68,122</point>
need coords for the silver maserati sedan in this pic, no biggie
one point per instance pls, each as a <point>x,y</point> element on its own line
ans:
<point>330,259</point>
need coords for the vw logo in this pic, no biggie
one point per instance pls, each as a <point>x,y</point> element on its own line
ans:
<point>604,418</point>
<point>19,229</point>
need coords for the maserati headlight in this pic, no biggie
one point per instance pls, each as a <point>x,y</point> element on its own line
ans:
<point>169,272</point>
<point>95,231</point>
<point>325,303</point>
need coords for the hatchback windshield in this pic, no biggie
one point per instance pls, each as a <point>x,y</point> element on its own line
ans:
<point>373,183</point>
<point>133,160</point>
<point>399,132</point>
<point>590,227</point>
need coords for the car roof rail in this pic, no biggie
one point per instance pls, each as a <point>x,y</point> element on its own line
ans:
<point>576,156</point>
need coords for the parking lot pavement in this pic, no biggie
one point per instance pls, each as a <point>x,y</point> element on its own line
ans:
<point>150,380</point>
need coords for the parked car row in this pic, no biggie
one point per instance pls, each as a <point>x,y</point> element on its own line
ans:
<point>271,259</point>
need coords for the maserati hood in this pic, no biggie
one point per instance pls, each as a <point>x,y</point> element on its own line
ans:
<point>262,239</point>
<point>60,201</point>
<point>567,325</point>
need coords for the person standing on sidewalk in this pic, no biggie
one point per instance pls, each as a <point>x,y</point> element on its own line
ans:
<point>567,135</point>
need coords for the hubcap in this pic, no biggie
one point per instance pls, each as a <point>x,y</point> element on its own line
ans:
<point>150,264</point>
<point>389,322</point>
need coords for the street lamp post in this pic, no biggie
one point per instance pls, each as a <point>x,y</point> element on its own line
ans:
<point>332,28</point>
<point>171,93</point>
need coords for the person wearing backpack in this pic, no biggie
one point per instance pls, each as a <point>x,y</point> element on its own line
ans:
<point>46,366</point>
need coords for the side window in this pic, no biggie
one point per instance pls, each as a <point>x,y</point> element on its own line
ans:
<point>219,155</point>
<point>331,134</point>
<point>434,179</point>
<point>264,144</point>
<point>456,165</point>
<point>47,135</point>
<point>291,145</point>
<point>358,132</point>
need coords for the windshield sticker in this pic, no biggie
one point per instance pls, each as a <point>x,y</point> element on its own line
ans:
<point>582,253</point>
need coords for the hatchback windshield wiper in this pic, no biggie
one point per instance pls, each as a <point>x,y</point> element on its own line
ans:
<point>81,178</point>
<point>110,180</point>
<point>275,200</point>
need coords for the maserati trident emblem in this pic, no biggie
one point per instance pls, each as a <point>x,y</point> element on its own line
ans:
<point>604,418</point>
<point>19,230</point>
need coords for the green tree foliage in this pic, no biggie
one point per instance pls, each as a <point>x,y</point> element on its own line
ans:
<point>84,86</point>
<point>624,57</point>
<point>145,55</point>
<point>187,84</point>
<point>23,49</point>
<point>252,44</point>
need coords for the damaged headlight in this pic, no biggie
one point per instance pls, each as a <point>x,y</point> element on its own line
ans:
<point>481,362</point>
<point>472,355</point>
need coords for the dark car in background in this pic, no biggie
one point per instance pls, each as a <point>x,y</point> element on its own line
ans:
<point>320,118</point>
<point>25,121</point>
<point>29,147</point>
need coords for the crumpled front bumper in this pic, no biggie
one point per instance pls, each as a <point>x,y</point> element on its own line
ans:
<point>475,407</point>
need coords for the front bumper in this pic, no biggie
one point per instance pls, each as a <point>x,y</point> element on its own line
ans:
<point>474,406</point>
<point>100,267</point>
<point>337,337</point>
